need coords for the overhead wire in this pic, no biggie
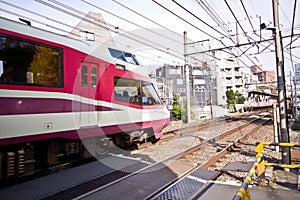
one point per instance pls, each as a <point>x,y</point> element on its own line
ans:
<point>207,8</point>
<point>114,15</point>
<point>34,20</point>
<point>240,23</point>
<point>191,24</point>
<point>255,31</point>
<point>73,15</point>
<point>110,29</point>
<point>40,15</point>
<point>216,18</point>
<point>222,34</point>
<point>94,21</point>
<point>158,24</point>
<point>204,23</point>
<point>236,19</point>
<point>249,20</point>
<point>128,20</point>
<point>247,15</point>
<point>199,19</point>
<point>186,21</point>
<point>61,23</point>
<point>143,16</point>
<point>292,34</point>
<point>124,19</point>
<point>284,14</point>
<point>214,15</point>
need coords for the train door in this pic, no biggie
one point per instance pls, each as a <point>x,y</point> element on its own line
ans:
<point>89,78</point>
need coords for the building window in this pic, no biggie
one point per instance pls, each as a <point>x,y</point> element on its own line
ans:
<point>174,71</point>
<point>179,81</point>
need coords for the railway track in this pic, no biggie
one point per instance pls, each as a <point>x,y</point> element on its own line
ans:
<point>159,175</point>
<point>184,131</point>
<point>204,175</point>
<point>197,127</point>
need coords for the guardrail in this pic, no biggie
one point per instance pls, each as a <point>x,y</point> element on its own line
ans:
<point>259,168</point>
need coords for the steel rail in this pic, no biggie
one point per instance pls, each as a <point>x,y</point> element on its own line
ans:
<point>173,158</point>
<point>228,148</point>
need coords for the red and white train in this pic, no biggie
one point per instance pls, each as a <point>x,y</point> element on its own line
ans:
<point>65,97</point>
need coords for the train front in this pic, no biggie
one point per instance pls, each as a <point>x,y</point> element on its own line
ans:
<point>141,115</point>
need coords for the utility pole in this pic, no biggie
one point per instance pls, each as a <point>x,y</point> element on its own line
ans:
<point>295,106</point>
<point>292,97</point>
<point>284,131</point>
<point>187,79</point>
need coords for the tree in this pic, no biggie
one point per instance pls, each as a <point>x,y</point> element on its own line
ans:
<point>234,98</point>
<point>178,111</point>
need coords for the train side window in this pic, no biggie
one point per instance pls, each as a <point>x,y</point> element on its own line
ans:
<point>127,90</point>
<point>27,62</point>
<point>135,92</point>
<point>84,76</point>
<point>94,77</point>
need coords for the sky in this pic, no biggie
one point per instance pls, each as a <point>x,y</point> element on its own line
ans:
<point>50,14</point>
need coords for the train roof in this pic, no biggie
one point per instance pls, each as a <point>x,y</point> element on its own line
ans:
<point>93,48</point>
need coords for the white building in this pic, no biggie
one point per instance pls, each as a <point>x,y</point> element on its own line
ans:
<point>230,75</point>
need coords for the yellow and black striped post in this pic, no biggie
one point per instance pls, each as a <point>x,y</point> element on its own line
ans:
<point>243,193</point>
<point>258,168</point>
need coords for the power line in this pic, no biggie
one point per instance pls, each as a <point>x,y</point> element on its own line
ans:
<point>199,18</point>
<point>217,19</point>
<point>263,38</point>
<point>37,14</point>
<point>240,26</point>
<point>236,19</point>
<point>187,21</point>
<point>238,45</point>
<point>34,20</point>
<point>130,9</point>
<point>146,18</point>
<point>122,18</point>
<point>96,22</point>
<point>112,29</point>
<point>292,34</point>
<point>210,11</point>
<point>195,27</point>
<point>247,15</point>
<point>48,19</point>
<point>126,20</point>
<point>55,27</point>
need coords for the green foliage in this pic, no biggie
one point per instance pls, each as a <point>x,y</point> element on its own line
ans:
<point>234,98</point>
<point>178,111</point>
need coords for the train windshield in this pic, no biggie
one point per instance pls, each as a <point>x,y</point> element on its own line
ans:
<point>120,55</point>
<point>30,63</point>
<point>135,92</point>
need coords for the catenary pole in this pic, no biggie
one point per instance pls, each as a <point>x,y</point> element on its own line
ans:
<point>187,79</point>
<point>284,131</point>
